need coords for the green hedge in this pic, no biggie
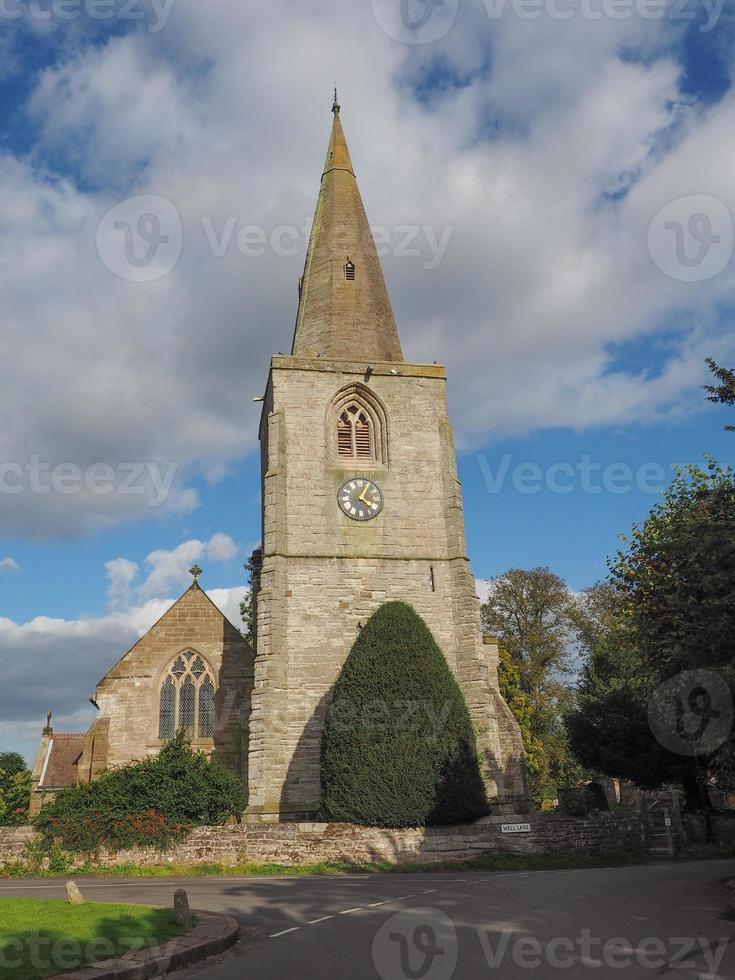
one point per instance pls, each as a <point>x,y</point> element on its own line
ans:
<point>147,803</point>
<point>398,748</point>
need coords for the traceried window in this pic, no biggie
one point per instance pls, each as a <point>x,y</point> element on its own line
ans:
<point>187,698</point>
<point>355,434</point>
<point>359,426</point>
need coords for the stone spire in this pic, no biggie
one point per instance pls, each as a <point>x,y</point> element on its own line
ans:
<point>344,310</point>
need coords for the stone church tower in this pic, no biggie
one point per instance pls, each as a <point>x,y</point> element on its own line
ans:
<point>361,505</point>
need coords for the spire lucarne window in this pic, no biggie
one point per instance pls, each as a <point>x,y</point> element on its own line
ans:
<point>187,698</point>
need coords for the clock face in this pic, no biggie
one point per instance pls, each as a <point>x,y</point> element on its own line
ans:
<point>360,499</point>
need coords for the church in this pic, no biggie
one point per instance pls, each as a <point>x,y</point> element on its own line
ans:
<point>361,504</point>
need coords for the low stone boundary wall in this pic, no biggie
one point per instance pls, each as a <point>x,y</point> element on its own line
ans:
<point>311,843</point>
<point>722,823</point>
<point>13,842</point>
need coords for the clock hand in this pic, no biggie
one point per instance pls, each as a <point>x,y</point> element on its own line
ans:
<point>362,495</point>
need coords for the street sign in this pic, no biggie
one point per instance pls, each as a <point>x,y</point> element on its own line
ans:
<point>515,828</point>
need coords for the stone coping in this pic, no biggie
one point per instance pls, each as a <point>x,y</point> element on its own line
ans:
<point>212,934</point>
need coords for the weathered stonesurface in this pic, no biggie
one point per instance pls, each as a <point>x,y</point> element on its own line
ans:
<point>361,505</point>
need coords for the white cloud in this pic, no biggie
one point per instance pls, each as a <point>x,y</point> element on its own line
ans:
<point>9,565</point>
<point>120,574</point>
<point>221,547</point>
<point>549,165</point>
<point>170,568</point>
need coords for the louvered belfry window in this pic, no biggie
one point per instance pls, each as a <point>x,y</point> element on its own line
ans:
<point>355,436</point>
<point>349,270</point>
<point>187,698</point>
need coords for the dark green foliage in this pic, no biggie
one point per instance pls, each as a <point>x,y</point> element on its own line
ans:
<point>398,748</point>
<point>581,802</point>
<point>15,789</point>
<point>148,803</point>
<point>724,392</point>
<point>669,608</point>
<point>248,611</point>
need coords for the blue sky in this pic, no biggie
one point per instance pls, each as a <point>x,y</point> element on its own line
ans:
<point>547,155</point>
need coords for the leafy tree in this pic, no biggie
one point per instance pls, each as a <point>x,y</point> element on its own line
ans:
<point>15,789</point>
<point>670,610</point>
<point>150,802</point>
<point>609,729</point>
<point>509,679</point>
<point>724,392</point>
<point>532,613</point>
<point>247,606</point>
<point>398,748</point>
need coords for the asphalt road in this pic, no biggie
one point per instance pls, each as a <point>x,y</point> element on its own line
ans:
<point>657,920</point>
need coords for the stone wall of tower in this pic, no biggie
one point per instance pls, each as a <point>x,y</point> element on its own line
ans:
<point>323,573</point>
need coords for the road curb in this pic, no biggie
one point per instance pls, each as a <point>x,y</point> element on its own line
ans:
<point>212,934</point>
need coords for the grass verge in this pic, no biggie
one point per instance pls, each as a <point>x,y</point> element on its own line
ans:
<point>41,937</point>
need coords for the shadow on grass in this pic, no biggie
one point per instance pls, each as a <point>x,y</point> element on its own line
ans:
<point>66,937</point>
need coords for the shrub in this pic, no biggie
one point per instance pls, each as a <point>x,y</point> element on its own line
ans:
<point>398,748</point>
<point>15,789</point>
<point>582,801</point>
<point>148,803</point>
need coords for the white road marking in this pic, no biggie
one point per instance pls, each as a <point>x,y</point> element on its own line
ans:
<point>324,918</point>
<point>429,891</point>
<point>285,932</point>
<point>375,905</point>
<point>347,911</point>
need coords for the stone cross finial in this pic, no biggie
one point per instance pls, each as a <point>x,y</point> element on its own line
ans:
<point>195,571</point>
<point>48,728</point>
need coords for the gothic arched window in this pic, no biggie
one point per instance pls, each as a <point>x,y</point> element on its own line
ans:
<point>359,420</point>
<point>186,698</point>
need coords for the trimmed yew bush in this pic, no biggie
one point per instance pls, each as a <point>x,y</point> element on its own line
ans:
<point>148,803</point>
<point>398,748</point>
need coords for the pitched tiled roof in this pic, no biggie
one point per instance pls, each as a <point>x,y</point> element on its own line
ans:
<point>60,769</point>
